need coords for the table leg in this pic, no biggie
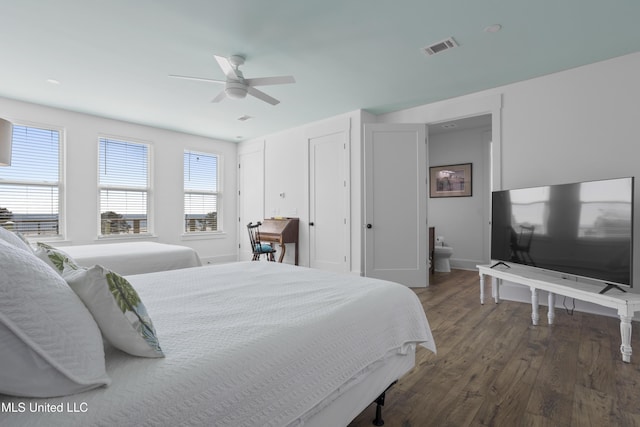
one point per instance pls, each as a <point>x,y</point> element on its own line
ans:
<point>284,249</point>
<point>625,334</point>
<point>481,288</point>
<point>552,306</point>
<point>495,288</point>
<point>534,306</point>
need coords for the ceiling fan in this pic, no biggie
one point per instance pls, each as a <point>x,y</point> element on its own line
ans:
<point>236,86</point>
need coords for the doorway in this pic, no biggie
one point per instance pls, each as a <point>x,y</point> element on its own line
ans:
<point>464,222</point>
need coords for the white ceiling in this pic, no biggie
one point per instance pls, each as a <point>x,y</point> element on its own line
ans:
<point>113,57</point>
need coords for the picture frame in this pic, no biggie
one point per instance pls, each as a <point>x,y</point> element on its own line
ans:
<point>451,180</point>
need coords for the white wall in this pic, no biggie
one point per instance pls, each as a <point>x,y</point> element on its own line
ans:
<point>81,133</point>
<point>579,124</point>
<point>569,126</point>
<point>287,171</point>
<point>574,125</point>
<point>462,221</point>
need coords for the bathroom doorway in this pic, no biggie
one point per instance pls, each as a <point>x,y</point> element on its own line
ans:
<point>464,222</point>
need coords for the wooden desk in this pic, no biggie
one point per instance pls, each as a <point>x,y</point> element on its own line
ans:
<point>281,231</point>
<point>626,304</point>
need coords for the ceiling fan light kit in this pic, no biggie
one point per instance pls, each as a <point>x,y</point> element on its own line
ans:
<point>235,90</point>
<point>236,86</point>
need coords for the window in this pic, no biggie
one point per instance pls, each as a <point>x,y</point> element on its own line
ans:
<point>200,192</point>
<point>605,210</point>
<point>530,207</point>
<point>124,187</point>
<point>30,187</point>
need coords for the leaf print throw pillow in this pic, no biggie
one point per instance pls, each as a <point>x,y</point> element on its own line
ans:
<point>56,258</point>
<point>117,309</point>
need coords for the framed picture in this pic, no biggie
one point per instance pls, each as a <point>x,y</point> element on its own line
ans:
<point>450,181</point>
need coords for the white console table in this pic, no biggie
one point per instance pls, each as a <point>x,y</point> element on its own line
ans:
<point>626,304</point>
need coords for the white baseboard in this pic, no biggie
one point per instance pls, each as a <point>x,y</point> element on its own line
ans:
<point>221,259</point>
<point>465,264</point>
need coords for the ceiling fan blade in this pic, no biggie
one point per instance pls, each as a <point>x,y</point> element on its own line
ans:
<point>265,81</point>
<point>261,95</point>
<point>219,97</point>
<point>202,79</point>
<point>226,67</point>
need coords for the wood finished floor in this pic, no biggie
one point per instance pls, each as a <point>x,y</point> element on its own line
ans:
<point>493,368</point>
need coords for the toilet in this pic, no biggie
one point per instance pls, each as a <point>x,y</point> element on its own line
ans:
<point>441,255</point>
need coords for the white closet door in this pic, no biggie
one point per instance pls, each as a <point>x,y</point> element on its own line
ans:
<point>329,202</point>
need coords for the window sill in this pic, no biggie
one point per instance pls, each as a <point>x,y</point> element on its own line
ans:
<point>204,235</point>
<point>33,240</point>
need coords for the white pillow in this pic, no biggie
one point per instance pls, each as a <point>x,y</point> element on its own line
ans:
<point>14,239</point>
<point>51,346</point>
<point>117,308</point>
<point>55,258</point>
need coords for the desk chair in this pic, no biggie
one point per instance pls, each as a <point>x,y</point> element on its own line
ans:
<point>257,247</point>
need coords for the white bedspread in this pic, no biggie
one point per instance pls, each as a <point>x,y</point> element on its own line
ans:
<point>134,257</point>
<point>246,344</point>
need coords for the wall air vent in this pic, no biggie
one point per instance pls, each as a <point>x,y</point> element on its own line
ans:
<point>441,46</point>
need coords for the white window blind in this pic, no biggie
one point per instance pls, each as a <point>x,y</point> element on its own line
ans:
<point>124,187</point>
<point>200,192</point>
<point>29,188</point>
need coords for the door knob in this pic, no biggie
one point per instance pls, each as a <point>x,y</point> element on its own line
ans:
<point>369,225</point>
<point>311,224</point>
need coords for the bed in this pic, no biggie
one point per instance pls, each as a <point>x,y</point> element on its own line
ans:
<point>135,257</point>
<point>249,344</point>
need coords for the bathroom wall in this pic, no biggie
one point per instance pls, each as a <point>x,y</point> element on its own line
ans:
<point>463,221</point>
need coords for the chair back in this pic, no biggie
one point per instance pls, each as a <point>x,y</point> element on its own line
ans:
<point>257,247</point>
<point>526,234</point>
<point>254,235</point>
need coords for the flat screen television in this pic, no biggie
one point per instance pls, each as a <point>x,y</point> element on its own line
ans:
<point>582,229</point>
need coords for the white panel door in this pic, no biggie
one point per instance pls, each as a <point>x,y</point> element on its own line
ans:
<point>328,202</point>
<point>250,196</point>
<point>395,233</point>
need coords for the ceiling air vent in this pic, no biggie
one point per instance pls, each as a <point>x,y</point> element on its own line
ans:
<point>441,46</point>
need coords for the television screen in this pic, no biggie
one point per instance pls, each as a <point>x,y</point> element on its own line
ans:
<point>583,229</point>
